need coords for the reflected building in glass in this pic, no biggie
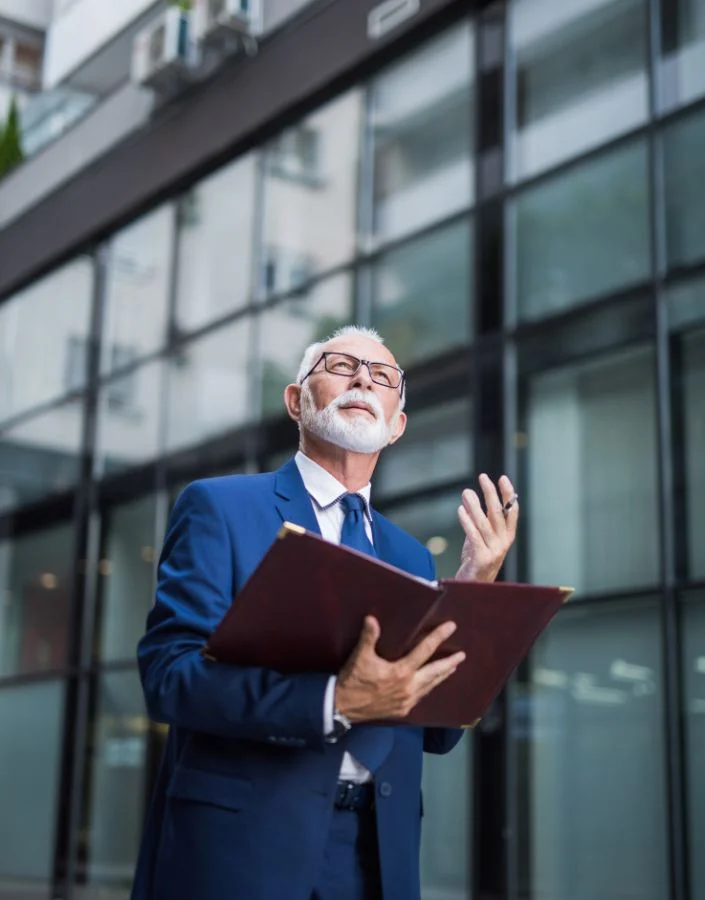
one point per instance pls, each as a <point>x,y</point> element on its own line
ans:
<point>514,195</point>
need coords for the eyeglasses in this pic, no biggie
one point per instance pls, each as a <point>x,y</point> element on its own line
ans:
<point>348,366</point>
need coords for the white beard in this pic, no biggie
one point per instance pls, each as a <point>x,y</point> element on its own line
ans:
<point>357,434</point>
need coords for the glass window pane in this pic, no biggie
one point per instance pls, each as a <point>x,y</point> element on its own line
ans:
<point>138,282</point>
<point>422,117</point>
<point>116,773</point>
<point>581,77</point>
<point>684,162</point>
<point>126,577</point>
<point>591,774</point>
<point>31,718</point>
<point>445,833</point>
<point>583,233</point>
<point>42,455</point>
<point>683,73</point>
<point>214,263</point>
<point>591,517</point>
<point>311,195</point>
<point>43,339</point>
<point>435,448</point>
<point>693,641</point>
<point>208,386</point>
<point>421,294</point>
<point>35,575</point>
<point>288,328</point>
<point>129,419</point>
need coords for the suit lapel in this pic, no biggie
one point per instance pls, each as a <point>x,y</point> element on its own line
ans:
<point>292,500</point>
<point>386,547</point>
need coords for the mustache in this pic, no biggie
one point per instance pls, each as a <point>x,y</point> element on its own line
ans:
<point>357,396</point>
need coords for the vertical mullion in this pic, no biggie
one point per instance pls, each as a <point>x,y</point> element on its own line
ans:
<point>670,630</point>
<point>364,243</point>
<point>490,800</point>
<point>82,612</point>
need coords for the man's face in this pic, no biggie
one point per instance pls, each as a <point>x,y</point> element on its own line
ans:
<point>353,412</point>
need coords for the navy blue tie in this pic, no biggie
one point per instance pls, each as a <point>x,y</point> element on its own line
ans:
<point>354,534</point>
<point>369,744</point>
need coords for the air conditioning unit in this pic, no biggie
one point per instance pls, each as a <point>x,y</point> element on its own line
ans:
<point>162,54</point>
<point>218,21</point>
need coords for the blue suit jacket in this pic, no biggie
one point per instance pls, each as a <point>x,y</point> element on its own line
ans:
<point>245,794</point>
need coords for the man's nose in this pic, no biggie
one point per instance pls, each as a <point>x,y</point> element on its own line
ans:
<point>362,378</point>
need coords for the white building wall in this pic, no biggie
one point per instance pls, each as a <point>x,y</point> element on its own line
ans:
<point>81,28</point>
<point>33,13</point>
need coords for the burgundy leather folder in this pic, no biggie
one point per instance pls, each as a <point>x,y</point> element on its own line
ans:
<point>303,608</point>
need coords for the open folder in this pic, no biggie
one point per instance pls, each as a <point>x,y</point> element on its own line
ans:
<point>303,608</point>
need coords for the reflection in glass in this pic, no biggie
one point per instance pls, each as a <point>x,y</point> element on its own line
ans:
<point>684,162</point>
<point>583,233</point>
<point>422,129</point>
<point>43,339</point>
<point>129,418</point>
<point>214,261</point>
<point>311,195</point>
<point>683,72</point>
<point>208,386</point>
<point>421,294</point>
<point>592,515</point>
<point>35,578</point>
<point>581,77</point>
<point>116,783</point>
<point>446,827</point>
<point>435,448</point>
<point>127,577</point>
<point>591,775</point>
<point>31,718</point>
<point>137,289</point>
<point>41,456</point>
<point>693,673</point>
<point>289,327</point>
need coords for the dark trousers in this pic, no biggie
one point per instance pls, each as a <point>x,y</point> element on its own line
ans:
<point>350,869</point>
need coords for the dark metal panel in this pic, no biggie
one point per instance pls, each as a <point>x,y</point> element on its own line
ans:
<point>202,130</point>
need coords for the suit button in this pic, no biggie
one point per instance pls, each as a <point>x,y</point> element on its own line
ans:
<point>385,789</point>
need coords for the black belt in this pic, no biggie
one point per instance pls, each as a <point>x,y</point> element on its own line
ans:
<point>354,797</point>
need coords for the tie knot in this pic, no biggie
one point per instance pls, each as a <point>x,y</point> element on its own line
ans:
<point>352,503</point>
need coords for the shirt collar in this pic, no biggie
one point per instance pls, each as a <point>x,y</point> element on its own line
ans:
<point>323,487</point>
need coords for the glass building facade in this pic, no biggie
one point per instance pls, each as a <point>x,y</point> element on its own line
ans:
<point>517,202</point>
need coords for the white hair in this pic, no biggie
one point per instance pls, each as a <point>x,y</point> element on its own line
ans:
<point>313,351</point>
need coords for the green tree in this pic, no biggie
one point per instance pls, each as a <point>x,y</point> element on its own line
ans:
<point>11,141</point>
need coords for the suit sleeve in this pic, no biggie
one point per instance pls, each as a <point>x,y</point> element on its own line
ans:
<point>181,687</point>
<point>439,740</point>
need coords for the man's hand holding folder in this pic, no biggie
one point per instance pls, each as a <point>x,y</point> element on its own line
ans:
<point>371,688</point>
<point>395,641</point>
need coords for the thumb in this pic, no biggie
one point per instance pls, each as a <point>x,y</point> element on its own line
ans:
<point>370,633</point>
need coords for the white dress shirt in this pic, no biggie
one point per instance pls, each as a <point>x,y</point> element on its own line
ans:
<point>326,491</point>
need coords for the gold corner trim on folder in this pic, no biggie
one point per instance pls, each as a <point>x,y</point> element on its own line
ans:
<point>567,591</point>
<point>289,528</point>
<point>471,725</point>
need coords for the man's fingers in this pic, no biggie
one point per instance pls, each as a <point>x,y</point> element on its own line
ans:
<point>473,507</point>
<point>435,673</point>
<point>494,504</point>
<point>425,649</point>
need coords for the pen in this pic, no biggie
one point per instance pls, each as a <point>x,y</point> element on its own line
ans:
<point>510,503</point>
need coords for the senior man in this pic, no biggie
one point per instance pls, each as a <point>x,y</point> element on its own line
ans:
<point>286,787</point>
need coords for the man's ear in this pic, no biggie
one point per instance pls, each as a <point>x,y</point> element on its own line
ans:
<point>292,401</point>
<point>399,429</point>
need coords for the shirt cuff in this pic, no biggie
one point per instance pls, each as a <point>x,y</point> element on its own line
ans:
<point>329,706</point>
